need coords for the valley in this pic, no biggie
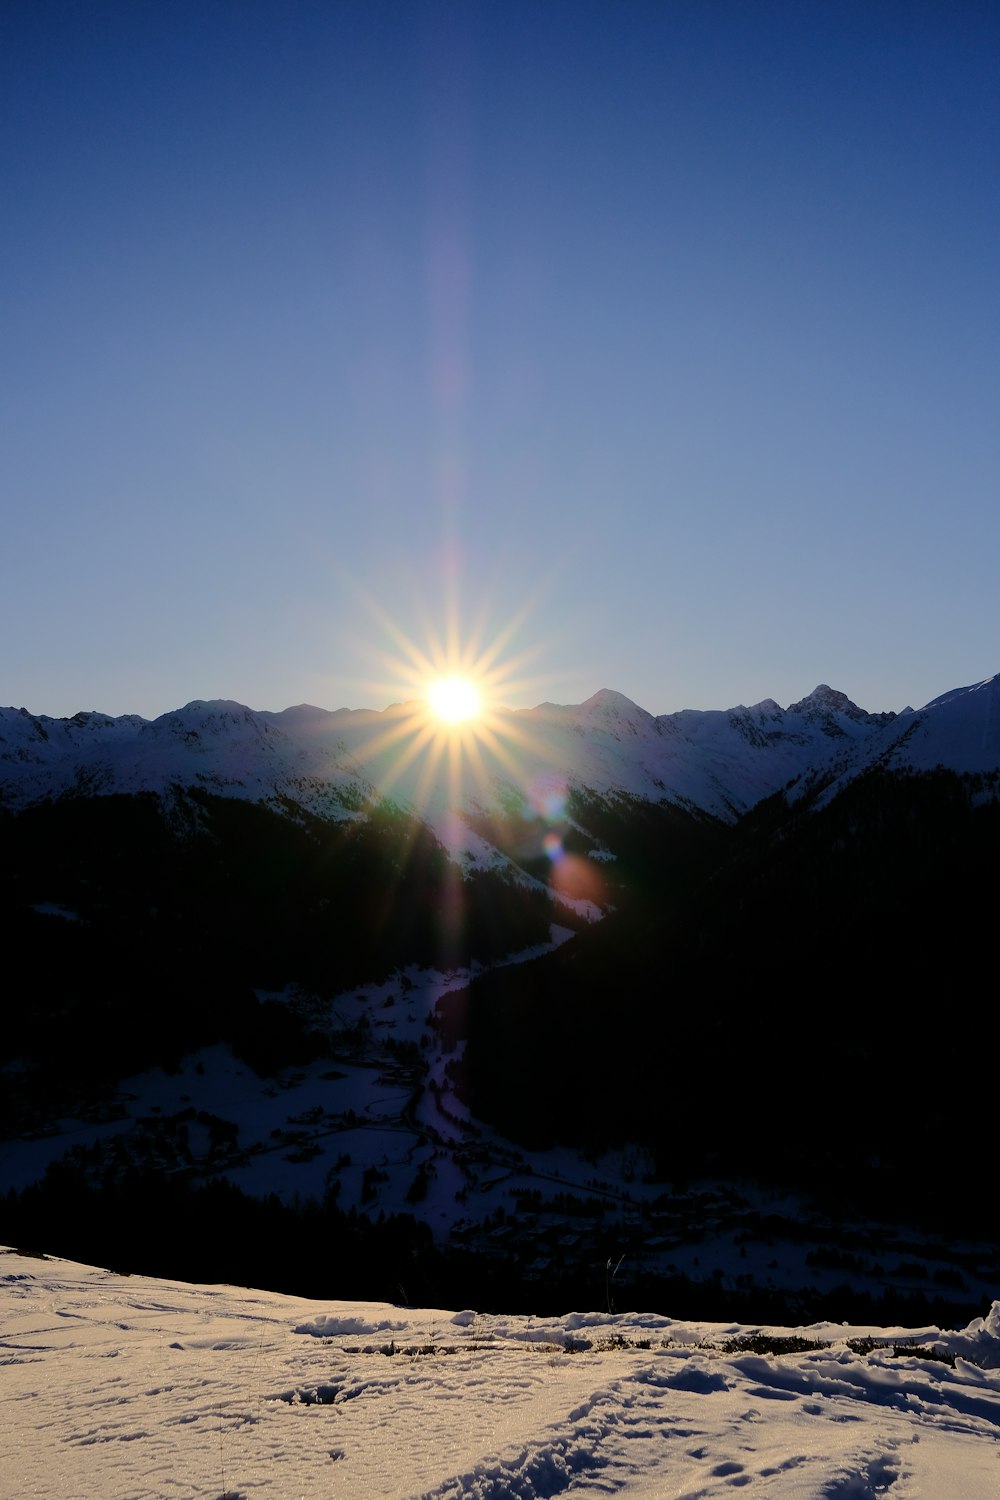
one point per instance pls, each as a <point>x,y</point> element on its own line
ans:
<point>576,1046</point>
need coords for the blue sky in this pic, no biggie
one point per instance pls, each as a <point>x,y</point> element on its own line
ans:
<point>652,346</point>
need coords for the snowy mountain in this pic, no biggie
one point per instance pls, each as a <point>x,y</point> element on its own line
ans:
<point>958,731</point>
<point>128,1386</point>
<point>747,754</point>
<point>716,762</point>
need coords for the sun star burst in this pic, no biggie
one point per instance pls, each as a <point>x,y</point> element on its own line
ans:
<point>455,699</point>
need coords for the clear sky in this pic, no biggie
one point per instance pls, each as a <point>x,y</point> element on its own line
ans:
<point>656,344</point>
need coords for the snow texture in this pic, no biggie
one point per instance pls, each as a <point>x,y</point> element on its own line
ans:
<point>121,1386</point>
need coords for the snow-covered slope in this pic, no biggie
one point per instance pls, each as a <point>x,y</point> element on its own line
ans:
<point>959,731</point>
<point>720,762</point>
<point>122,1386</point>
<point>219,745</point>
<point>743,754</point>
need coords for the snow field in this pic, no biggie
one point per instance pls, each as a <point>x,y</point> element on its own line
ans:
<point>118,1386</point>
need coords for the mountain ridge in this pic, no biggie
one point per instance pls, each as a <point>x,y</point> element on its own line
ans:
<point>720,762</point>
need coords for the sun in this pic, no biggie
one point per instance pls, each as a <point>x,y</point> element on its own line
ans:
<point>454,699</point>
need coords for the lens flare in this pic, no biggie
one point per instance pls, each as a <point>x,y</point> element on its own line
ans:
<point>478,772</point>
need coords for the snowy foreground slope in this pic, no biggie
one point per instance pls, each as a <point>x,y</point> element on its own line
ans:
<point>121,1386</point>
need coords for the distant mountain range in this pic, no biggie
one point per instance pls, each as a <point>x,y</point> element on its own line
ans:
<point>718,762</point>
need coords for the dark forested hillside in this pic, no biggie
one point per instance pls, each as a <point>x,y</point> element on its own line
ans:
<point>825,956</point>
<point>802,999</point>
<point>142,928</point>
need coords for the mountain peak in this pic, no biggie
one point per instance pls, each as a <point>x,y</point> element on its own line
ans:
<point>828,708</point>
<point>613,712</point>
<point>608,698</point>
<point>210,706</point>
<point>825,699</point>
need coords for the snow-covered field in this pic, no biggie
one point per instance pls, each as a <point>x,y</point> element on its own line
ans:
<point>118,1386</point>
